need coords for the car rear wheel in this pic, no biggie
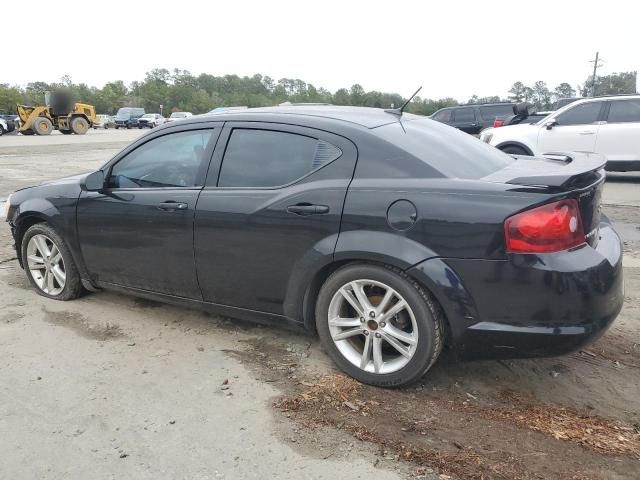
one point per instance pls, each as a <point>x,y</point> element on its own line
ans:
<point>49,264</point>
<point>378,325</point>
<point>514,150</point>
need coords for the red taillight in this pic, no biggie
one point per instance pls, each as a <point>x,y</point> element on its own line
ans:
<point>549,228</point>
<point>498,123</point>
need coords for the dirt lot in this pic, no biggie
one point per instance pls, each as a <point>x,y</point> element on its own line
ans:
<point>111,386</point>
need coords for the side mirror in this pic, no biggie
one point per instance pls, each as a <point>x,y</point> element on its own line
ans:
<point>94,182</point>
<point>550,124</point>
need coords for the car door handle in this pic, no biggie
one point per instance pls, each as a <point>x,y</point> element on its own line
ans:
<point>587,132</point>
<point>307,209</point>
<point>171,206</point>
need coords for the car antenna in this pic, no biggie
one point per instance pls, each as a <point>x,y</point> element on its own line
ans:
<point>398,111</point>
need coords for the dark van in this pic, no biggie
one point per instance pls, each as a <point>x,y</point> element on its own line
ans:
<point>127,117</point>
<point>473,118</point>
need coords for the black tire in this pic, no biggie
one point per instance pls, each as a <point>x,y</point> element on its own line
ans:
<point>1,130</point>
<point>117,127</point>
<point>27,132</point>
<point>42,126</point>
<point>429,319</point>
<point>79,125</point>
<point>66,132</point>
<point>514,150</point>
<point>73,285</point>
<point>106,127</point>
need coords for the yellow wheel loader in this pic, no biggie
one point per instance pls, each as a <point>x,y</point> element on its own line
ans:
<point>60,113</point>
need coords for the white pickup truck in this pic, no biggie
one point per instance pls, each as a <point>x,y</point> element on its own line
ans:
<point>607,125</point>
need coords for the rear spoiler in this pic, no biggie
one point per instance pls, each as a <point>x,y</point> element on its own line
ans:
<point>553,169</point>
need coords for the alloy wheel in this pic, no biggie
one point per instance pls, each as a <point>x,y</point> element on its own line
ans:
<point>373,326</point>
<point>46,265</point>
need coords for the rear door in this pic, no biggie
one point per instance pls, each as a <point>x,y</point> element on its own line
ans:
<point>576,129</point>
<point>464,119</point>
<point>138,231</point>
<point>272,202</point>
<point>619,137</point>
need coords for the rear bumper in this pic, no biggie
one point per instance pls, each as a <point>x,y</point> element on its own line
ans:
<point>531,305</point>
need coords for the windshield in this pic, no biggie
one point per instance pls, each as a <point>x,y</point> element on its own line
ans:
<point>147,115</point>
<point>123,113</point>
<point>178,115</point>
<point>453,153</point>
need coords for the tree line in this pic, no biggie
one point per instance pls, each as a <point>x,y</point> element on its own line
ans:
<point>179,90</point>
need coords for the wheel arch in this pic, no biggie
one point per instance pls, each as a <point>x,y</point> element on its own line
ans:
<point>513,143</point>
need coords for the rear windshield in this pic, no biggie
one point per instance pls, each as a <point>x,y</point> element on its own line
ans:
<point>178,115</point>
<point>449,151</point>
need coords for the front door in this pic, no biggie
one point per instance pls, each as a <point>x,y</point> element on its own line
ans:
<point>273,203</point>
<point>138,231</point>
<point>576,129</point>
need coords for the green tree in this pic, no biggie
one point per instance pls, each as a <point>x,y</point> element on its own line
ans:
<point>518,91</point>
<point>564,90</point>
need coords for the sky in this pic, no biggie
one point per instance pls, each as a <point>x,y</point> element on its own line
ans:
<point>450,48</point>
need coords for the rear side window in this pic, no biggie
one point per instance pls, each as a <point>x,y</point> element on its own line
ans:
<point>269,158</point>
<point>624,111</point>
<point>464,115</point>
<point>443,116</point>
<point>449,151</point>
<point>583,114</point>
<point>490,112</point>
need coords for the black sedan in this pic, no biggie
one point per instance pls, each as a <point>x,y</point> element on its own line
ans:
<point>389,234</point>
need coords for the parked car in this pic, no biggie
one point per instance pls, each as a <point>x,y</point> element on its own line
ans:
<point>179,116</point>
<point>4,127</point>
<point>606,125</point>
<point>387,233</point>
<point>150,120</point>
<point>9,123</point>
<point>103,121</point>
<point>473,118</point>
<point>127,117</point>
<point>520,115</point>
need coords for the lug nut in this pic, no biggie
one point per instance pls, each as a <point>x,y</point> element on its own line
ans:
<point>378,335</point>
<point>372,314</point>
<point>366,332</point>
<point>361,319</point>
<point>383,324</point>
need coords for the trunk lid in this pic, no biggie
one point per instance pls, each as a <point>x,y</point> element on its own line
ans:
<point>570,175</point>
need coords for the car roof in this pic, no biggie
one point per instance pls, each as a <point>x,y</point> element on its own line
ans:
<point>363,116</point>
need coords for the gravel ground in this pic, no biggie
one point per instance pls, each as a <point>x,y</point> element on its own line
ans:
<point>111,386</point>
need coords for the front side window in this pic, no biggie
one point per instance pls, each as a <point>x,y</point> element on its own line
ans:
<point>268,158</point>
<point>464,115</point>
<point>583,114</point>
<point>624,111</point>
<point>172,160</point>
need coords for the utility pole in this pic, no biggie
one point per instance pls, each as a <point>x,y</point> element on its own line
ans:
<point>595,69</point>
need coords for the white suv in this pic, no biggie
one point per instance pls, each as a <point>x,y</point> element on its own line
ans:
<point>606,125</point>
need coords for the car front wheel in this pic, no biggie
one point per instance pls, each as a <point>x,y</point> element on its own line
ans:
<point>378,325</point>
<point>49,264</point>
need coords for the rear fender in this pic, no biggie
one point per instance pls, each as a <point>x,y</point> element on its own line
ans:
<point>447,287</point>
